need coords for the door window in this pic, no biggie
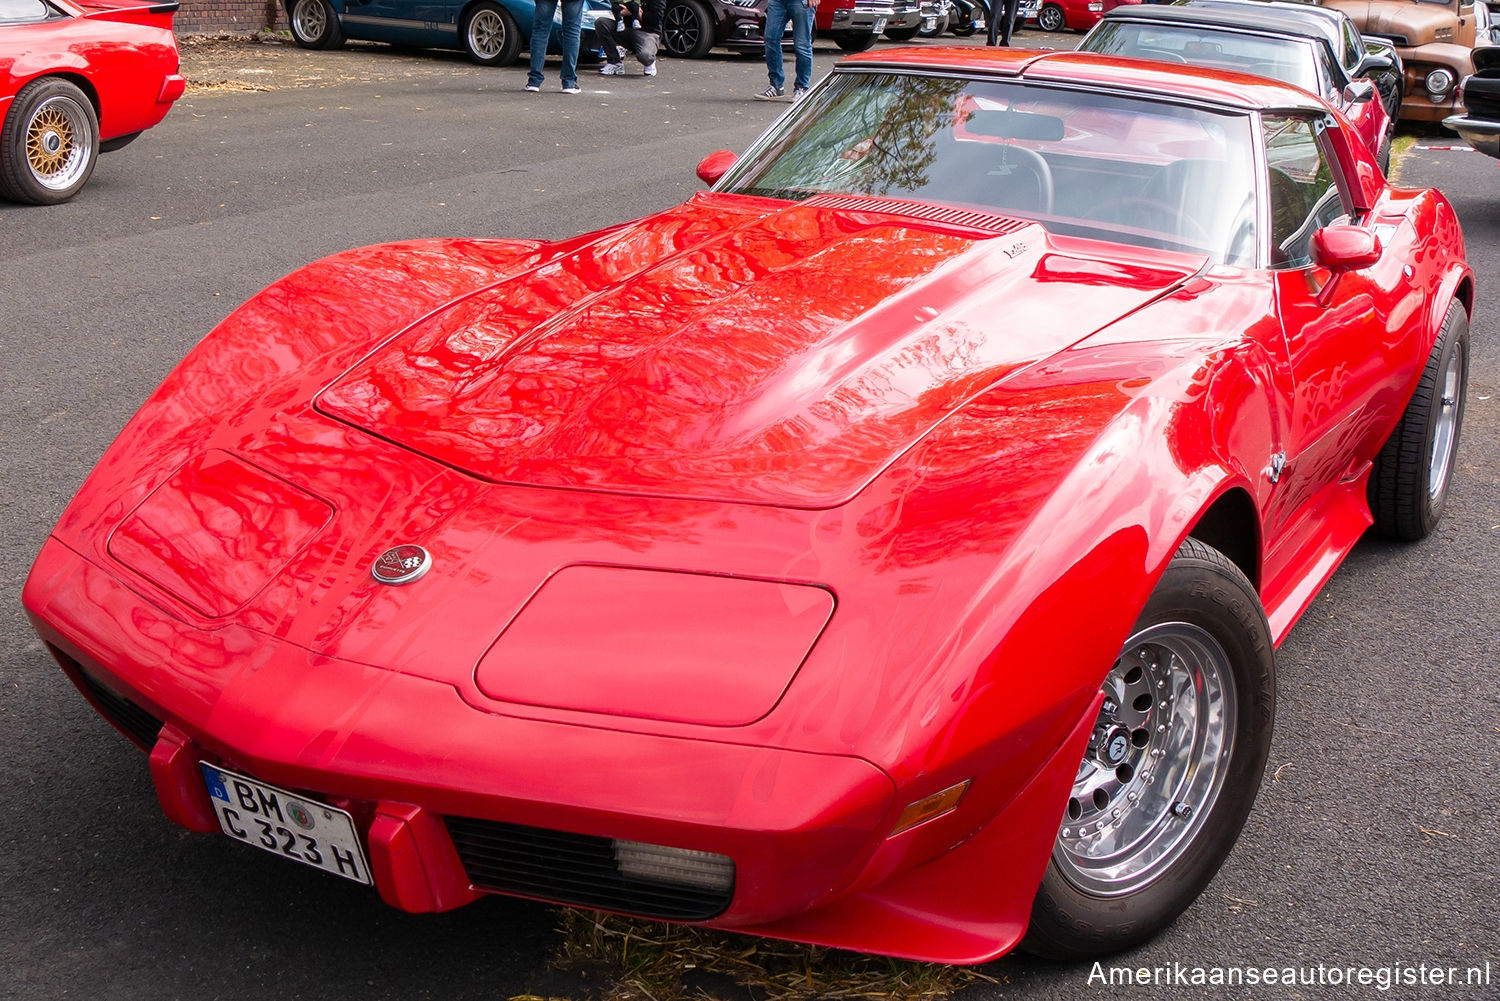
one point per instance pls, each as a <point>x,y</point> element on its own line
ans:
<point>1304,186</point>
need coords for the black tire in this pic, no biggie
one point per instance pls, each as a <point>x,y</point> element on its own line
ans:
<point>855,41</point>
<point>687,30</point>
<point>314,24</point>
<point>1205,599</point>
<point>963,23</point>
<point>1383,155</point>
<point>1409,483</point>
<point>49,143</point>
<point>1051,18</point>
<point>490,35</point>
<point>902,34</point>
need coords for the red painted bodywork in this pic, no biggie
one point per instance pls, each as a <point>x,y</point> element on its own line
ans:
<point>123,56</point>
<point>943,467</point>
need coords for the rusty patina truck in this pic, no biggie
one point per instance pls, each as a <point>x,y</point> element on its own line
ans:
<point>1435,39</point>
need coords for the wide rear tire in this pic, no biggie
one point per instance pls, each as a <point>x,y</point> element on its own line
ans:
<point>1173,766</point>
<point>1409,483</point>
<point>49,143</point>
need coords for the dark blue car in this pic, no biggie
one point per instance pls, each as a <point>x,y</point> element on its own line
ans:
<point>492,32</point>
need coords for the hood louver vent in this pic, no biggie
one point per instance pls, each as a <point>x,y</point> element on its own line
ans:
<point>985,222</point>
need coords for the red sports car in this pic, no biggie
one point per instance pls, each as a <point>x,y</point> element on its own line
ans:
<point>886,548</point>
<point>78,79</point>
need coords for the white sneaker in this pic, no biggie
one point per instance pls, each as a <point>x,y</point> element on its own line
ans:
<point>799,94</point>
<point>533,88</point>
<point>572,90</point>
<point>612,69</point>
<point>650,69</point>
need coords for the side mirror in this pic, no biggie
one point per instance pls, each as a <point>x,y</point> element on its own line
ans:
<point>1373,62</point>
<point>1359,91</point>
<point>715,166</point>
<point>1345,248</point>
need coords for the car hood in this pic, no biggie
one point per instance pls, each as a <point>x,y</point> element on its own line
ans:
<point>782,356</point>
<point>1416,23</point>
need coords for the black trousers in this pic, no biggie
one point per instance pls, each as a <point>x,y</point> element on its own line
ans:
<point>1003,20</point>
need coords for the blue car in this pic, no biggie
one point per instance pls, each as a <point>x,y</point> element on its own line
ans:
<point>492,32</point>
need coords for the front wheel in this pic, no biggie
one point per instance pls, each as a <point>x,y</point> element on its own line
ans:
<point>1409,483</point>
<point>855,41</point>
<point>902,34</point>
<point>491,35</point>
<point>314,24</point>
<point>687,31</point>
<point>1051,18</point>
<point>1172,767</point>
<point>48,144</point>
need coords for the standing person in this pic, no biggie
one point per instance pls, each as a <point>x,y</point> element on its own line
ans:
<point>801,13</point>
<point>541,34</point>
<point>635,25</point>
<point>1003,21</point>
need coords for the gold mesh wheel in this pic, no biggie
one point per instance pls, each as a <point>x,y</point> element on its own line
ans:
<point>49,143</point>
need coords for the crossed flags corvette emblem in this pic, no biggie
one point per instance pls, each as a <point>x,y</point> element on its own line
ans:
<point>401,564</point>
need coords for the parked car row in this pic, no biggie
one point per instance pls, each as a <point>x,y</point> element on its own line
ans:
<point>1435,39</point>
<point>1314,48</point>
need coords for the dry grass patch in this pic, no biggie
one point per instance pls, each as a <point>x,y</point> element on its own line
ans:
<point>649,961</point>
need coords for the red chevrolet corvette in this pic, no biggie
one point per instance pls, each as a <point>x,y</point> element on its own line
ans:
<point>76,79</point>
<point>886,548</point>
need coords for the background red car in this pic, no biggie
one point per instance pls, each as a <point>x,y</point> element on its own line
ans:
<point>75,81</point>
<point>1075,15</point>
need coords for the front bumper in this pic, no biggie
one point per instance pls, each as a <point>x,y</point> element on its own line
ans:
<point>407,756</point>
<point>1481,133</point>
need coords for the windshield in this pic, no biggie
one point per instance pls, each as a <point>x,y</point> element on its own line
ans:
<point>1131,170</point>
<point>1289,60</point>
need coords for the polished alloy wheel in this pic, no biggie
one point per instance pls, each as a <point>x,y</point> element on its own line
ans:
<point>1155,763</point>
<point>1445,428</point>
<point>309,19</point>
<point>486,34</point>
<point>1050,18</point>
<point>57,140</point>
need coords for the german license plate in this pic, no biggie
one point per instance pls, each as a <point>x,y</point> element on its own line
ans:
<point>879,26</point>
<point>286,824</point>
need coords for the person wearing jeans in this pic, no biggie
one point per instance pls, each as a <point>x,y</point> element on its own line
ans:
<point>801,13</point>
<point>541,34</point>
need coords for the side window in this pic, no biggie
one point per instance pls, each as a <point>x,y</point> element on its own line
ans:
<point>1304,189</point>
<point>1332,74</point>
<point>23,11</point>
<point>1354,47</point>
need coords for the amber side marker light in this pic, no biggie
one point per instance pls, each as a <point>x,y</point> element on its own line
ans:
<point>930,808</point>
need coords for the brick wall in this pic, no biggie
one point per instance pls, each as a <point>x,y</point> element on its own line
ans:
<point>199,16</point>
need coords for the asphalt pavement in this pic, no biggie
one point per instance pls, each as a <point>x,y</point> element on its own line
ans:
<point>1373,842</point>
